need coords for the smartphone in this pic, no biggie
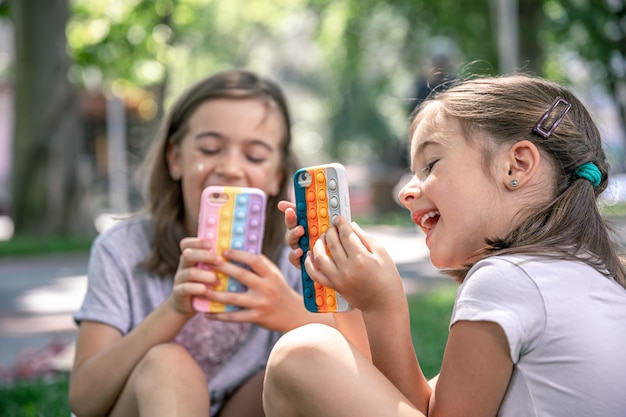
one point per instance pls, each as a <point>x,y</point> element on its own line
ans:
<point>321,194</point>
<point>230,217</point>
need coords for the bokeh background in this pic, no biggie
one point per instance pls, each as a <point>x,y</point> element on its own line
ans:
<point>84,83</point>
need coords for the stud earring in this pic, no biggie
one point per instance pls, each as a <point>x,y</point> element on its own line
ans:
<point>175,175</point>
<point>514,182</point>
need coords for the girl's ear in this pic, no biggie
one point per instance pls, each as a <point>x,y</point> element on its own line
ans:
<point>172,157</point>
<point>522,162</point>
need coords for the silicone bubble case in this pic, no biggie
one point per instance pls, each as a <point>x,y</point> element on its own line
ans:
<point>230,217</point>
<point>321,194</point>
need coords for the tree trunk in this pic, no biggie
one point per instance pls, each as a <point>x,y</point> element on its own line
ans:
<point>530,18</point>
<point>47,195</point>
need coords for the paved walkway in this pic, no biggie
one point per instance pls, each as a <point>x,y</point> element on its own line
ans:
<point>38,294</point>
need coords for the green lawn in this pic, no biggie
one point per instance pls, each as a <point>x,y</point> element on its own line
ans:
<point>35,246</point>
<point>35,399</point>
<point>430,317</point>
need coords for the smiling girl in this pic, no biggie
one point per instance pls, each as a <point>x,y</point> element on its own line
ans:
<point>507,171</point>
<point>142,349</point>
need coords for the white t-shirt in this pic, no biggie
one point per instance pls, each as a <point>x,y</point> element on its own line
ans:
<point>566,328</point>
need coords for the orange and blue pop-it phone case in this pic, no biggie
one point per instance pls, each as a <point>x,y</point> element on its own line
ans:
<point>321,194</point>
<point>230,217</point>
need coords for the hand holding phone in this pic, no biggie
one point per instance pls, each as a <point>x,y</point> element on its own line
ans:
<point>321,194</point>
<point>230,217</point>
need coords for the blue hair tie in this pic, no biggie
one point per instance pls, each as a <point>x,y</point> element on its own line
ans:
<point>589,171</point>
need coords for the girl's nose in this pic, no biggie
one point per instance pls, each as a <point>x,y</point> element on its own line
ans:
<point>229,165</point>
<point>410,192</point>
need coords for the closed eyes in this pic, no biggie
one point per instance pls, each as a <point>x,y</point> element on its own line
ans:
<point>429,167</point>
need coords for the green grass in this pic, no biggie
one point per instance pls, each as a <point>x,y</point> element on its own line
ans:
<point>35,399</point>
<point>34,246</point>
<point>393,218</point>
<point>430,314</point>
<point>430,317</point>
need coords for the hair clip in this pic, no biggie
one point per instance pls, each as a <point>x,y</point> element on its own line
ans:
<point>545,132</point>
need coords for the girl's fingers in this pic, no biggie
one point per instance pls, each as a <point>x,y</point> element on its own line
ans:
<point>285,204</point>
<point>370,243</point>
<point>333,245</point>
<point>194,251</point>
<point>319,255</point>
<point>258,263</point>
<point>196,274</point>
<point>190,289</point>
<point>294,231</point>
<point>294,235</point>
<point>194,243</point>
<point>193,257</point>
<point>351,242</point>
<point>289,209</point>
<point>315,273</point>
<point>247,268</point>
<point>320,267</point>
<point>294,257</point>
<point>239,299</point>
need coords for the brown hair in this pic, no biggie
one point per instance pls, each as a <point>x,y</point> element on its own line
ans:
<point>164,196</point>
<point>569,225</point>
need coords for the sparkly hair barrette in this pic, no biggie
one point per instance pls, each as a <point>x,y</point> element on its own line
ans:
<point>560,107</point>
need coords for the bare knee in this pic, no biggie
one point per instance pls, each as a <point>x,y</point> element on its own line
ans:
<point>306,342</point>
<point>300,357</point>
<point>168,359</point>
<point>165,375</point>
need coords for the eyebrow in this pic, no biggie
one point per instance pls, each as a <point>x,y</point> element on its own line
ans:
<point>420,149</point>
<point>218,135</point>
<point>422,146</point>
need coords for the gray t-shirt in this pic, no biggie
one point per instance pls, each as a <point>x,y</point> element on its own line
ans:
<point>121,294</point>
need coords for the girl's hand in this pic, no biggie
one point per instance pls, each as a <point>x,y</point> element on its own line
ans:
<point>269,301</point>
<point>294,231</point>
<point>359,268</point>
<point>194,274</point>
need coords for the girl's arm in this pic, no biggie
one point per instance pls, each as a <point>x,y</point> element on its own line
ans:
<point>105,359</point>
<point>106,356</point>
<point>476,367</point>
<point>475,372</point>
<point>364,273</point>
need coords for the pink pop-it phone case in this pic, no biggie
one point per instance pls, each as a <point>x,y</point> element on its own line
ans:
<point>230,217</point>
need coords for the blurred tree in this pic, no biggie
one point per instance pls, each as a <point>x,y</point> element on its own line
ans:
<point>367,49</point>
<point>46,178</point>
<point>348,66</point>
<point>122,48</point>
<point>595,33</point>
<point>531,17</point>
<point>373,53</point>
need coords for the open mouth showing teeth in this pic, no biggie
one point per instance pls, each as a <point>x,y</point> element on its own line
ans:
<point>429,219</point>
